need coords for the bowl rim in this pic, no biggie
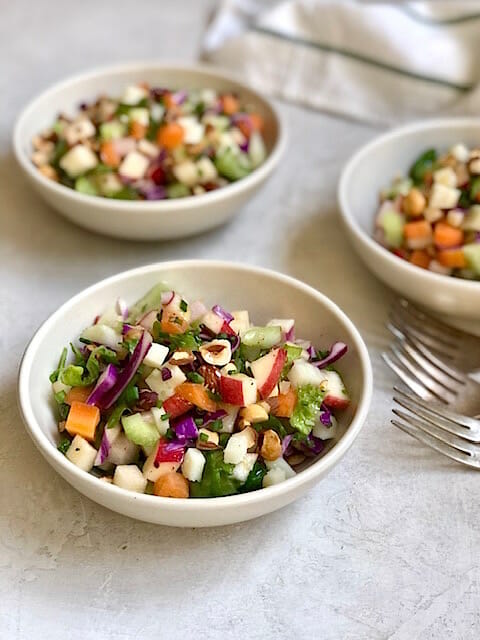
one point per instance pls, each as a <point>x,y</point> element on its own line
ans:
<point>168,206</point>
<point>347,175</point>
<point>55,458</point>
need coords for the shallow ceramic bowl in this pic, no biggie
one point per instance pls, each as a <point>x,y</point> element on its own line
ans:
<point>266,294</point>
<point>144,220</point>
<point>371,169</point>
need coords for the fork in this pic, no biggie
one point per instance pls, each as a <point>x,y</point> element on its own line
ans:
<point>436,340</point>
<point>454,435</point>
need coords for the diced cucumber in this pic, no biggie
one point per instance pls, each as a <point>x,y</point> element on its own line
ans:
<point>233,166</point>
<point>263,337</point>
<point>256,150</point>
<point>392,224</point>
<point>151,300</point>
<point>177,190</point>
<point>139,431</point>
<point>112,130</point>
<point>472,256</point>
<point>86,185</point>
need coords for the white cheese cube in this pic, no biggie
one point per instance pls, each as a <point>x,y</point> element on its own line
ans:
<point>133,94</point>
<point>460,152</point>
<point>445,176</point>
<point>78,160</point>
<point>129,476</point>
<point>442,197</point>
<point>282,464</point>
<point>207,171</point>
<point>323,432</point>
<point>156,111</point>
<point>140,115</point>
<point>186,173</point>
<point>156,355</point>
<point>193,464</point>
<point>243,468</point>
<point>134,165</point>
<point>81,453</point>
<point>193,130</point>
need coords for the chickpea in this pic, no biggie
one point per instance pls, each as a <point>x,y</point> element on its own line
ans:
<point>414,203</point>
<point>172,485</point>
<point>271,445</point>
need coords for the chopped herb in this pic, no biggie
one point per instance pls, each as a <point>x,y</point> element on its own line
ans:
<point>188,340</point>
<point>223,438</point>
<point>170,433</point>
<point>203,437</point>
<point>64,445</point>
<point>63,410</point>
<point>216,425</point>
<point>183,305</point>
<point>198,422</point>
<point>165,416</point>
<point>60,397</point>
<point>61,365</point>
<point>85,341</point>
<point>193,376</point>
<point>115,416</point>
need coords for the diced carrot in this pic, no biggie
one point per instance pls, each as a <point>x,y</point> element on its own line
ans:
<point>257,121</point>
<point>138,130</point>
<point>245,127</point>
<point>445,236</point>
<point>176,406</point>
<point>284,404</point>
<point>172,322</point>
<point>230,104</point>
<point>109,154</point>
<point>197,395</point>
<point>172,485</point>
<point>78,394</point>
<point>170,135</point>
<point>420,258</point>
<point>453,258</point>
<point>82,420</point>
<point>417,229</point>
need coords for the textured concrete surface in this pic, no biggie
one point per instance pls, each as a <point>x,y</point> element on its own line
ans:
<point>385,547</point>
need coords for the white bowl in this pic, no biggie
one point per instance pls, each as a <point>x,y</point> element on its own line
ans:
<point>144,220</point>
<point>371,169</point>
<point>266,294</point>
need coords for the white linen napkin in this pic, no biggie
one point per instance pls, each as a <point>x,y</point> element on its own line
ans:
<point>377,62</point>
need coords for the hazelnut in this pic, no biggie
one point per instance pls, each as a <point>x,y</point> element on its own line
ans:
<point>414,203</point>
<point>254,413</point>
<point>271,446</point>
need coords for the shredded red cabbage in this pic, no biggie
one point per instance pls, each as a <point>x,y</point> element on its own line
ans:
<point>326,416</point>
<point>286,443</point>
<point>105,383</point>
<point>337,350</point>
<point>220,311</point>
<point>148,319</point>
<point>208,418</point>
<point>105,446</point>
<point>126,328</point>
<point>290,335</point>
<point>185,429</point>
<point>166,373</point>
<point>129,370</point>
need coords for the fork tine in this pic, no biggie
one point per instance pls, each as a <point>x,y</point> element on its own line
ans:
<point>436,432</point>
<point>438,390</point>
<point>423,316</point>
<point>439,421</point>
<point>434,343</point>
<point>433,443</point>
<point>466,421</point>
<point>411,383</point>
<point>438,362</point>
<point>438,374</point>
<point>426,325</point>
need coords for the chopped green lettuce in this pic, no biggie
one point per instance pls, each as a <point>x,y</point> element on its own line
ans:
<point>216,480</point>
<point>307,409</point>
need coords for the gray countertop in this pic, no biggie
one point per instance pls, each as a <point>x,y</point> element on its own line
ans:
<point>384,547</point>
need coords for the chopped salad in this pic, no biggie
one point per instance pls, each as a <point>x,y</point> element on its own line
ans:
<point>174,399</point>
<point>432,217</point>
<point>152,144</point>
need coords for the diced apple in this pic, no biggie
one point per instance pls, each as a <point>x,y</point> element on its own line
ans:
<point>238,446</point>
<point>238,389</point>
<point>78,160</point>
<point>133,94</point>
<point>152,471</point>
<point>129,476</point>
<point>161,422</point>
<point>243,468</point>
<point>267,370</point>
<point>228,421</point>
<point>81,453</point>
<point>103,334</point>
<point>155,355</point>
<point>123,451</point>
<point>165,388</point>
<point>281,463</point>
<point>134,165</point>
<point>285,324</point>
<point>303,373</point>
<point>337,396</point>
<point>213,322</point>
<point>240,322</point>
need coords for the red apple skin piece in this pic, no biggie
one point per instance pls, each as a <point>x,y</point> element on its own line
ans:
<point>334,402</point>
<point>280,356</point>
<point>232,389</point>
